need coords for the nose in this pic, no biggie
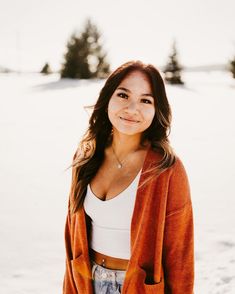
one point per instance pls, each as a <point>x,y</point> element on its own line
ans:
<point>132,107</point>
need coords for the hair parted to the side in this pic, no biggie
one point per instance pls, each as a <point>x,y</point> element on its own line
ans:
<point>90,152</point>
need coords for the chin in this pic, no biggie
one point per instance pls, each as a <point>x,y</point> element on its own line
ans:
<point>129,132</point>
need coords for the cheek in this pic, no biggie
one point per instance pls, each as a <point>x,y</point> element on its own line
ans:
<point>113,107</point>
<point>149,115</point>
<point>111,110</point>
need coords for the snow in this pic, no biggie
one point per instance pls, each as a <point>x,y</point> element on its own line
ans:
<point>41,122</point>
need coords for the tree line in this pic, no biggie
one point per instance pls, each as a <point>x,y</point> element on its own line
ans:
<point>85,58</point>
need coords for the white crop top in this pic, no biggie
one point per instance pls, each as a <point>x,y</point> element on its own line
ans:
<point>111,221</point>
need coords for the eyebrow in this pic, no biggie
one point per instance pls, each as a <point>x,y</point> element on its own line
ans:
<point>129,91</point>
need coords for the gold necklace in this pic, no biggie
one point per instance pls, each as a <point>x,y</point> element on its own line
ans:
<point>120,164</point>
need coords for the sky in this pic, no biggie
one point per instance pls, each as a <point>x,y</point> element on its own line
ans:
<point>33,32</point>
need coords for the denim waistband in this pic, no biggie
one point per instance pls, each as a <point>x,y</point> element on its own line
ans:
<point>107,274</point>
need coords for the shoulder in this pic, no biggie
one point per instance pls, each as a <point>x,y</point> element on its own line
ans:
<point>178,169</point>
<point>178,188</point>
<point>165,161</point>
<point>174,179</point>
<point>153,157</point>
<point>179,177</point>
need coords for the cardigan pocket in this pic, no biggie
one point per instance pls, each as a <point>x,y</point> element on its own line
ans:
<point>80,273</point>
<point>155,288</point>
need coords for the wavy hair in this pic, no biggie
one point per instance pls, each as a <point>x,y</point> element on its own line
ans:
<point>90,152</point>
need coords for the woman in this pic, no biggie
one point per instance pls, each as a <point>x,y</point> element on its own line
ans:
<point>129,227</point>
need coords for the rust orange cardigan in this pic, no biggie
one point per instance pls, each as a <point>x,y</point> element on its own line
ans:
<point>162,246</point>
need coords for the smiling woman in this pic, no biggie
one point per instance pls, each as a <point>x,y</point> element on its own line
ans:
<point>129,227</point>
<point>130,109</point>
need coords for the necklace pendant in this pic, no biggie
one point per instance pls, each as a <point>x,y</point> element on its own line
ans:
<point>119,165</point>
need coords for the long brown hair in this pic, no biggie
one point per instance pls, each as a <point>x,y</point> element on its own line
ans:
<point>90,152</point>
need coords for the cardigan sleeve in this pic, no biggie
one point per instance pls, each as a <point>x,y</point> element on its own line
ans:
<point>178,243</point>
<point>68,284</point>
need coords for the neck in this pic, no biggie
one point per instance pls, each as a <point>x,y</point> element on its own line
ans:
<point>125,144</point>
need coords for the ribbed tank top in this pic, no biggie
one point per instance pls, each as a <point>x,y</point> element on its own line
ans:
<point>111,221</point>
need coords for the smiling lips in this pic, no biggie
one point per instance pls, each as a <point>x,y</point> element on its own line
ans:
<point>130,120</point>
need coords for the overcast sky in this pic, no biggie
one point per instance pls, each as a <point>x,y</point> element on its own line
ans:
<point>33,32</point>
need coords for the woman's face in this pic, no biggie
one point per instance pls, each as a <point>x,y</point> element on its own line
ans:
<point>131,107</point>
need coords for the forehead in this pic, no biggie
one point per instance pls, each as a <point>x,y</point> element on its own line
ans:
<point>136,78</point>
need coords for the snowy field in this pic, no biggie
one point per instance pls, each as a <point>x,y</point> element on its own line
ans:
<point>41,121</point>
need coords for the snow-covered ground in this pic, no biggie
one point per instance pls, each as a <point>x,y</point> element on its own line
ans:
<point>41,122</point>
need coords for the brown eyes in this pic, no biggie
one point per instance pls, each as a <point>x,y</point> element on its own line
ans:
<point>146,101</point>
<point>125,96</point>
<point>122,95</point>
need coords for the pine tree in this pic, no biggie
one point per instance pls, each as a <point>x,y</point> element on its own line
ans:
<point>46,69</point>
<point>85,57</point>
<point>173,69</point>
<point>232,67</point>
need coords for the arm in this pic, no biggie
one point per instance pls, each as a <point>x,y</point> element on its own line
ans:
<point>68,284</point>
<point>178,246</point>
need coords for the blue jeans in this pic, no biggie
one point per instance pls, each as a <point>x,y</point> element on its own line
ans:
<point>107,281</point>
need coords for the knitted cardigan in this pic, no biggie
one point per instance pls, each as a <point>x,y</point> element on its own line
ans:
<point>162,246</point>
